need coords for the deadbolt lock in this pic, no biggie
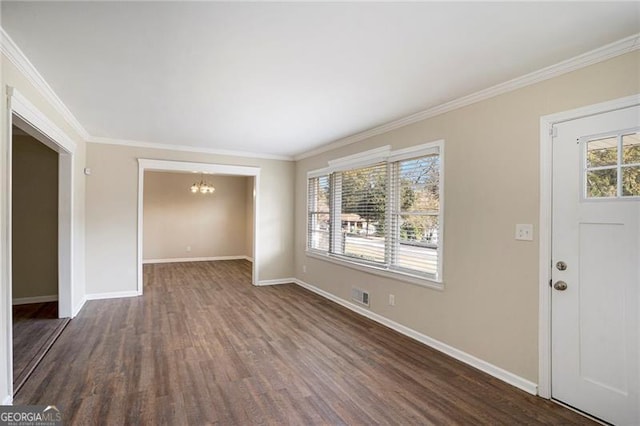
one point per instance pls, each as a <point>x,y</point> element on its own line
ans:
<point>561,266</point>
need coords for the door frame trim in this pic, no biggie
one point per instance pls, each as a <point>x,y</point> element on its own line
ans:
<point>546,191</point>
<point>22,112</point>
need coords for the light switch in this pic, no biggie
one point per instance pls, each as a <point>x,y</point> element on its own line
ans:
<point>524,232</point>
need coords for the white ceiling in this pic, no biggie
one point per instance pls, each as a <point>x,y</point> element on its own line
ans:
<point>284,78</point>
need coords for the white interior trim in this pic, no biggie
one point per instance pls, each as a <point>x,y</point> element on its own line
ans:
<point>22,112</point>
<point>11,50</point>
<point>8,400</point>
<point>185,148</point>
<point>79,306</point>
<point>278,281</point>
<point>190,167</point>
<point>5,262</point>
<point>371,156</point>
<point>546,192</point>
<point>40,123</point>
<point>34,299</point>
<point>617,48</point>
<point>469,359</point>
<point>397,275</point>
<point>196,259</point>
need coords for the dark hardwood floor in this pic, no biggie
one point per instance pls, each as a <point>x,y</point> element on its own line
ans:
<point>203,346</point>
<point>35,327</point>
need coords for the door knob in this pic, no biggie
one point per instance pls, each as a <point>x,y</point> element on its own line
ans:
<point>560,286</point>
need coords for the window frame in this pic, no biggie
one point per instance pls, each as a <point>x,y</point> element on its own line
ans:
<point>366,159</point>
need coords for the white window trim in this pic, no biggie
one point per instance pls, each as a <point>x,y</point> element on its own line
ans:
<point>368,158</point>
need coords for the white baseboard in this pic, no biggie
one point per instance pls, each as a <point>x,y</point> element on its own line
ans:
<point>276,281</point>
<point>113,295</point>
<point>482,365</point>
<point>7,400</point>
<point>79,307</point>
<point>35,299</point>
<point>196,259</point>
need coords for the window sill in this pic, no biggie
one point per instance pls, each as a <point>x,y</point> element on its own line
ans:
<point>397,275</point>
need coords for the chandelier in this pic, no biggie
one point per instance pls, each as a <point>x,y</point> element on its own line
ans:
<point>202,187</point>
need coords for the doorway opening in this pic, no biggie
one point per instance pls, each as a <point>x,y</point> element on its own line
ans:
<point>226,221</point>
<point>39,210</point>
<point>34,248</point>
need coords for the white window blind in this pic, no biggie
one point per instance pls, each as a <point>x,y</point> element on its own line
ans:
<point>415,217</point>
<point>363,196</point>
<point>385,215</point>
<point>318,208</point>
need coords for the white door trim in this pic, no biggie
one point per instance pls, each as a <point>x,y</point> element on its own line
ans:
<point>546,160</point>
<point>190,167</point>
<point>22,112</point>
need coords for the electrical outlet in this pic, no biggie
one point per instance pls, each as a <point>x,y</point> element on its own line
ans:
<point>304,269</point>
<point>188,248</point>
<point>392,300</point>
<point>524,232</point>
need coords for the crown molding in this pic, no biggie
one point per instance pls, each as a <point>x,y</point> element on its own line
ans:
<point>11,50</point>
<point>617,48</point>
<point>23,109</point>
<point>186,148</point>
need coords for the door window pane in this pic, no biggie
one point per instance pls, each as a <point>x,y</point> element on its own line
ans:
<point>602,152</point>
<point>631,182</point>
<point>631,149</point>
<point>602,183</point>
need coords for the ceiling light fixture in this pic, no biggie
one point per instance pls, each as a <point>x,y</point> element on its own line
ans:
<point>202,187</point>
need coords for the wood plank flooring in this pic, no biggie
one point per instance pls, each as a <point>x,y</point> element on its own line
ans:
<point>203,346</point>
<point>35,327</point>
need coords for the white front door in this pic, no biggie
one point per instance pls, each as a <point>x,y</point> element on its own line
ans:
<point>596,265</point>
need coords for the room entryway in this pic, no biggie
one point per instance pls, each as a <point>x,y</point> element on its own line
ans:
<point>36,321</point>
<point>595,278</point>
<point>212,238</point>
<point>38,263</point>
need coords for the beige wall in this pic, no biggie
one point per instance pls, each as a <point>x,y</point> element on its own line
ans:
<point>35,219</point>
<point>489,306</point>
<point>112,194</point>
<point>11,76</point>
<point>179,224</point>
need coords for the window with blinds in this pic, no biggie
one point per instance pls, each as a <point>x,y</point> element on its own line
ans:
<point>386,215</point>
<point>318,217</point>
<point>416,215</point>
<point>363,198</point>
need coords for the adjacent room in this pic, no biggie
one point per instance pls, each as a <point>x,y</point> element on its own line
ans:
<point>197,217</point>
<point>229,212</point>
